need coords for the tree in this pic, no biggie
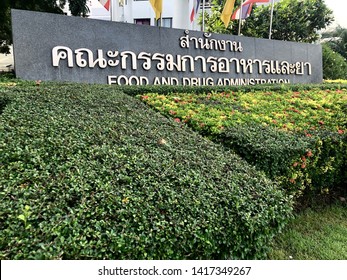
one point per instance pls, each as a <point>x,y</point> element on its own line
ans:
<point>337,40</point>
<point>213,22</point>
<point>334,65</point>
<point>293,20</point>
<point>5,26</point>
<point>77,7</point>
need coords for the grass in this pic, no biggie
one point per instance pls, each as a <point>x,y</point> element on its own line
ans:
<point>314,234</point>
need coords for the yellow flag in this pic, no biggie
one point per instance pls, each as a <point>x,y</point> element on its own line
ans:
<point>157,7</point>
<point>227,11</point>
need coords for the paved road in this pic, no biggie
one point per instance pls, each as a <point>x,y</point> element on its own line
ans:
<point>6,60</point>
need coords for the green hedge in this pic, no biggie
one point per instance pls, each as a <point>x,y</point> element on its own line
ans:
<point>296,138</point>
<point>87,172</point>
<point>165,89</point>
<point>268,148</point>
<point>302,164</point>
<point>334,64</point>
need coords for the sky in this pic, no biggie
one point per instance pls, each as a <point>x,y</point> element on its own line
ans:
<point>339,8</point>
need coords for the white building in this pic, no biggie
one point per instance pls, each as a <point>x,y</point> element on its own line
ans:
<point>176,13</point>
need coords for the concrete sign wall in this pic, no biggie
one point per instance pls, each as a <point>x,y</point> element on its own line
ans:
<point>62,48</point>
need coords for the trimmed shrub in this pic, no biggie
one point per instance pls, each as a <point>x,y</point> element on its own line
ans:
<point>327,172</point>
<point>167,90</point>
<point>268,148</point>
<point>302,165</point>
<point>87,172</point>
<point>4,100</point>
<point>334,64</point>
<point>296,138</point>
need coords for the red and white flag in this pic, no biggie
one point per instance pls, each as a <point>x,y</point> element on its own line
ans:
<point>106,4</point>
<point>246,9</point>
<point>195,10</point>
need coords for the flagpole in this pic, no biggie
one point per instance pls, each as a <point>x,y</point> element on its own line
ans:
<point>114,10</point>
<point>192,22</point>
<point>111,10</point>
<point>122,5</point>
<point>240,18</point>
<point>160,19</point>
<point>203,15</point>
<point>271,16</point>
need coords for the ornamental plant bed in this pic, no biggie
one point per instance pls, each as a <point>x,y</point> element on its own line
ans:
<point>297,137</point>
<point>87,172</point>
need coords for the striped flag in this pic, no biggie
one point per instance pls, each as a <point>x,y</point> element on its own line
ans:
<point>227,11</point>
<point>157,6</point>
<point>106,4</point>
<point>246,9</point>
<point>195,10</point>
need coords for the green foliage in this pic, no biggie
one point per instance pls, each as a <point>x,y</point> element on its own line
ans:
<point>274,154</point>
<point>297,20</point>
<point>334,65</point>
<point>25,216</point>
<point>297,138</point>
<point>303,165</point>
<point>337,40</point>
<point>214,24</point>
<point>106,177</point>
<point>293,20</point>
<point>5,27</point>
<point>314,234</point>
<point>277,88</point>
<point>77,8</point>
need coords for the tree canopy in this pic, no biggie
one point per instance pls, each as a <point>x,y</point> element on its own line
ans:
<point>337,40</point>
<point>77,8</point>
<point>334,64</point>
<point>293,20</point>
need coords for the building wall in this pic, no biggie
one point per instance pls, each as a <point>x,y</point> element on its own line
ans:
<point>176,10</point>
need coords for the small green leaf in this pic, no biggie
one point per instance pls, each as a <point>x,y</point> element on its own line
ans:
<point>21,217</point>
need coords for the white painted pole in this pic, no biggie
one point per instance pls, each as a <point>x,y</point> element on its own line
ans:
<point>271,18</point>
<point>114,8</point>
<point>111,10</point>
<point>240,18</point>
<point>203,15</point>
<point>190,10</point>
<point>121,5</point>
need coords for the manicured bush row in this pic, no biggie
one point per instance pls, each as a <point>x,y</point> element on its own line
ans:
<point>165,89</point>
<point>334,64</point>
<point>268,148</point>
<point>302,165</point>
<point>4,100</point>
<point>87,172</point>
<point>297,138</point>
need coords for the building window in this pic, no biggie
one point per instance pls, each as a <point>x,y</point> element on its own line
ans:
<point>143,21</point>
<point>165,22</point>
